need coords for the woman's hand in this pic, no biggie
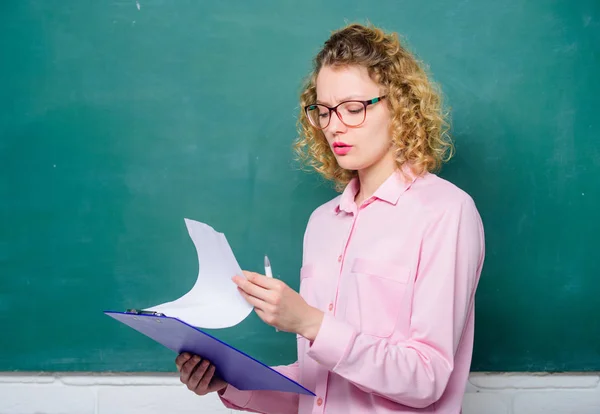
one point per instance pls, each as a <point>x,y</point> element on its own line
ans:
<point>279,305</point>
<point>198,374</point>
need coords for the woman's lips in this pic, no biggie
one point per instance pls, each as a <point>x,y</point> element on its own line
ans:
<point>341,148</point>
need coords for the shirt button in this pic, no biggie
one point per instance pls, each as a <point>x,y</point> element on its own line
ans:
<point>319,401</point>
<point>331,306</point>
<point>340,258</point>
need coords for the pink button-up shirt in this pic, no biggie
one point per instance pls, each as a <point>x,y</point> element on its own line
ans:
<point>396,279</point>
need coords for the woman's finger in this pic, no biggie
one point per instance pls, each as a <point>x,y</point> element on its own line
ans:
<point>182,359</point>
<point>261,280</point>
<point>253,290</point>
<point>252,300</point>
<point>205,381</point>
<point>196,378</point>
<point>187,369</point>
<point>266,317</point>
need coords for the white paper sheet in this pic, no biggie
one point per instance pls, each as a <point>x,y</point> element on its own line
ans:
<point>214,301</point>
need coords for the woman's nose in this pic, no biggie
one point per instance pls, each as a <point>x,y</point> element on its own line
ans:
<point>335,123</point>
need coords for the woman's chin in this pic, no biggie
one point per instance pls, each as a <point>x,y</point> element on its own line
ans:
<point>349,163</point>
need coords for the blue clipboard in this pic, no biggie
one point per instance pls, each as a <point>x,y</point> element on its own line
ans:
<point>232,365</point>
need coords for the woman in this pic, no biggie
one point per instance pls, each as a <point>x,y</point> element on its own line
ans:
<point>385,314</point>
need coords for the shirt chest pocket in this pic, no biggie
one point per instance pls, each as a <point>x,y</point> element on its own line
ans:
<point>376,292</point>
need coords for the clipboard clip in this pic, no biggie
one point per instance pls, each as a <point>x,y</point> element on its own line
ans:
<point>144,312</point>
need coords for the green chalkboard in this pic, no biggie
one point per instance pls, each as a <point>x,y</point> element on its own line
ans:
<point>119,119</point>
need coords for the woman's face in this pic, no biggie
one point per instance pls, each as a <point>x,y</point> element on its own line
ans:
<point>369,144</point>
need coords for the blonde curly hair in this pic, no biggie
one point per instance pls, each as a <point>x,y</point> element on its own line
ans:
<point>419,128</point>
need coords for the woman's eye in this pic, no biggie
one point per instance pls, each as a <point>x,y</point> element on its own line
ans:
<point>353,108</point>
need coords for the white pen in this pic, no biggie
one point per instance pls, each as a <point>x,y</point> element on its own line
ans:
<point>269,273</point>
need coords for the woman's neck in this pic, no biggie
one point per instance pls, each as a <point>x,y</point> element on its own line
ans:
<point>371,178</point>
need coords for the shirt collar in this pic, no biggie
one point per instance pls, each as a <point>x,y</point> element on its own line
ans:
<point>389,191</point>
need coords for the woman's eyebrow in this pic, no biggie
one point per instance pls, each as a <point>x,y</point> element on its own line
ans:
<point>347,98</point>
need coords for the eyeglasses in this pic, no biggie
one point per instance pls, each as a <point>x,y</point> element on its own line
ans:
<point>351,113</point>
